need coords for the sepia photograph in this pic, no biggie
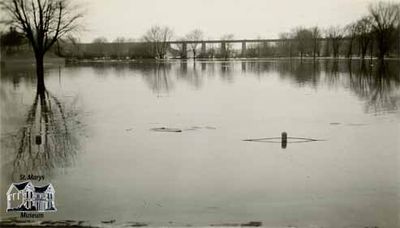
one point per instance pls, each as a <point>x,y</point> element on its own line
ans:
<point>200,113</point>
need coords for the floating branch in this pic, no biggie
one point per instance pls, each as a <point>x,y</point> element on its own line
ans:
<point>166,129</point>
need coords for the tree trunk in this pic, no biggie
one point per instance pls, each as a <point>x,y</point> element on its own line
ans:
<point>350,50</point>
<point>382,48</point>
<point>40,72</point>
<point>315,49</point>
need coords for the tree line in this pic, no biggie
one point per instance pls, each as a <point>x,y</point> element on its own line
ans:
<point>376,34</point>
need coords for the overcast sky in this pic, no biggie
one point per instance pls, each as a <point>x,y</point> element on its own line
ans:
<point>243,18</point>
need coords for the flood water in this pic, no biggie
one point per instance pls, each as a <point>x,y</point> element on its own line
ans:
<point>106,162</point>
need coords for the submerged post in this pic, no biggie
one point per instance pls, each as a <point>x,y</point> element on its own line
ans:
<point>284,140</point>
<point>38,140</point>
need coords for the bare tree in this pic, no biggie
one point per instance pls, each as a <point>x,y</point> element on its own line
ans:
<point>363,34</point>
<point>195,35</point>
<point>335,36</point>
<point>118,44</point>
<point>351,31</point>
<point>99,45</point>
<point>385,19</point>
<point>286,46</point>
<point>158,37</point>
<point>43,22</point>
<point>226,47</point>
<point>303,38</point>
<point>316,35</point>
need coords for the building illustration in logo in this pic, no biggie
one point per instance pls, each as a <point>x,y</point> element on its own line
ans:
<point>25,196</point>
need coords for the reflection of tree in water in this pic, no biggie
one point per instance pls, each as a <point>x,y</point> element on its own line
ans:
<point>191,75</point>
<point>379,86</point>
<point>301,72</point>
<point>46,141</point>
<point>158,78</point>
<point>227,71</point>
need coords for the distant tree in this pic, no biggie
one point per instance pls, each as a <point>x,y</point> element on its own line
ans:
<point>351,32</point>
<point>227,48</point>
<point>195,35</point>
<point>12,39</point>
<point>100,40</point>
<point>42,22</point>
<point>99,45</point>
<point>158,37</point>
<point>335,36</point>
<point>385,19</point>
<point>316,35</point>
<point>285,47</point>
<point>364,34</point>
<point>303,38</point>
<point>72,46</point>
<point>118,44</point>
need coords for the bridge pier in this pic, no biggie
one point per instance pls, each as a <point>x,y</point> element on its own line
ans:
<point>243,49</point>
<point>223,49</point>
<point>203,49</point>
<point>184,51</point>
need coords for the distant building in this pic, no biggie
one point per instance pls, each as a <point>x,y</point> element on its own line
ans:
<point>25,196</point>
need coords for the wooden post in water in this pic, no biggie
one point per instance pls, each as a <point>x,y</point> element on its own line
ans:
<point>284,140</point>
<point>38,140</point>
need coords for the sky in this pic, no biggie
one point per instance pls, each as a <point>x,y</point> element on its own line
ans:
<point>243,18</point>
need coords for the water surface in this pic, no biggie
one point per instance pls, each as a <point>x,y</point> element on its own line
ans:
<point>106,162</point>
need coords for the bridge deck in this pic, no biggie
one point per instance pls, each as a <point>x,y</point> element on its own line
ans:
<point>225,41</point>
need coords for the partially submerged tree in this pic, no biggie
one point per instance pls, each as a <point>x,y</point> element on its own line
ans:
<point>335,36</point>
<point>303,38</point>
<point>363,34</point>
<point>195,35</point>
<point>385,19</point>
<point>316,35</point>
<point>350,31</point>
<point>158,37</point>
<point>285,47</point>
<point>43,22</point>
